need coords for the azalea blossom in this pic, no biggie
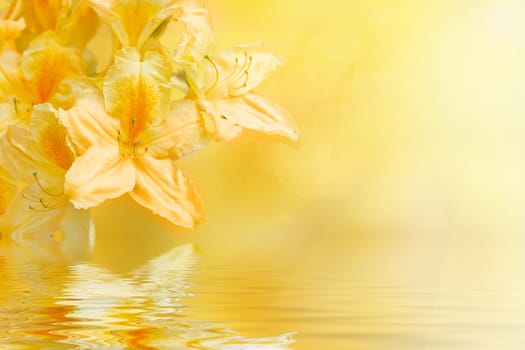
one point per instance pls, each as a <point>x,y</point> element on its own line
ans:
<point>39,156</point>
<point>45,72</point>
<point>226,95</point>
<point>132,147</point>
<point>81,123</point>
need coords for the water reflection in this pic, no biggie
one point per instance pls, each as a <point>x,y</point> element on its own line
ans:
<point>64,303</point>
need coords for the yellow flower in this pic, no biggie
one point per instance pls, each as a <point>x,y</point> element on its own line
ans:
<point>41,74</point>
<point>40,156</point>
<point>10,25</point>
<point>132,147</point>
<point>227,96</point>
<point>73,21</point>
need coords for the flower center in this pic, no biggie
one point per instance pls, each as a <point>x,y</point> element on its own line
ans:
<point>137,103</point>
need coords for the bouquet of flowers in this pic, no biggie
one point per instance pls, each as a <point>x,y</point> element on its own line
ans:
<point>99,98</point>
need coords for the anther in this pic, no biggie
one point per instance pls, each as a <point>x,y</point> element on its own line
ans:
<point>15,104</point>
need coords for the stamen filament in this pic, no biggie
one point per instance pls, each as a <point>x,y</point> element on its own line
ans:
<point>35,175</point>
<point>236,73</point>
<point>216,72</point>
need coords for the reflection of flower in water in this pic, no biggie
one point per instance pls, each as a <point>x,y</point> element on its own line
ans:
<point>145,309</point>
<point>68,245</point>
<point>32,273</point>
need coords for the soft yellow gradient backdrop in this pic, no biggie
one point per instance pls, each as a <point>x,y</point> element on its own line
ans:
<point>411,116</point>
<point>412,153</point>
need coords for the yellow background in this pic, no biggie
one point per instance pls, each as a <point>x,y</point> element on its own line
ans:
<point>411,161</point>
<point>411,116</point>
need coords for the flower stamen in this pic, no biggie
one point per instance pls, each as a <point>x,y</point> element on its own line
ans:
<point>216,72</point>
<point>35,175</point>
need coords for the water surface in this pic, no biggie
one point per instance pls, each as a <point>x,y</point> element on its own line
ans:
<point>187,298</point>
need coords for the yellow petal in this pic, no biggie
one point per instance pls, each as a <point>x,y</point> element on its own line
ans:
<point>7,190</point>
<point>42,149</point>
<point>254,112</point>
<point>11,29</point>
<point>238,70</point>
<point>42,14</point>
<point>70,90</point>
<point>197,39</point>
<point>11,79</point>
<point>51,137</point>
<point>45,64</point>
<point>98,175</point>
<point>32,212</point>
<point>88,123</point>
<point>166,192</point>
<point>8,116</point>
<point>136,91</point>
<point>156,24</point>
<point>77,23</point>
<point>16,154</point>
<point>222,129</point>
<point>180,133</point>
<point>133,21</point>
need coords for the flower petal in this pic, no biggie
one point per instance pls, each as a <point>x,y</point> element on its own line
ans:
<point>7,190</point>
<point>11,79</point>
<point>32,212</point>
<point>11,29</point>
<point>216,124</point>
<point>79,25</point>
<point>133,21</point>
<point>89,124</point>
<point>238,70</point>
<point>98,175</point>
<point>167,192</point>
<point>136,90</point>
<point>45,64</point>
<point>180,133</point>
<point>8,117</point>
<point>196,39</point>
<point>50,137</point>
<point>41,149</point>
<point>16,153</point>
<point>254,112</point>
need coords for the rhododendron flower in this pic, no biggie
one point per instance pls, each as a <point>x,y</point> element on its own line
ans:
<point>226,94</point>
<point>132,147</point>
<point>45,72</point>
<point>40,156</point>
<point>84,119</point>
